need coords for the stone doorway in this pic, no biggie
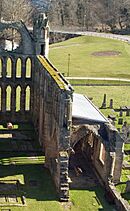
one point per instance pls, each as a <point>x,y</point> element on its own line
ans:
<point>81,171</point>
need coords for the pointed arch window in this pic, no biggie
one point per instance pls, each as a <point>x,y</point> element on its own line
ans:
<point>9,68</point>
<point>8,98</point>
<point>27,99</point>
<point>18,68</point>
<point>28,68</point>
<point>1,67</point>
<point>18,98</point>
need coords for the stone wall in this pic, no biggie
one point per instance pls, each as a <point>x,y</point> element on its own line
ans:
<point>52,120</point>
<point>59,37</point>
<point>12,78</point>
<point>116,151</point>
<point>121,204</point>
<point>27,45</point>
<point>105,151</point>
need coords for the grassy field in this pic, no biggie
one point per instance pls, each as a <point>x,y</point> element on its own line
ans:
<point>119,94</point>
<point>83,63</point>
<point>22,166</point>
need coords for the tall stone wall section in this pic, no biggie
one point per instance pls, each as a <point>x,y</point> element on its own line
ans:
<point>52,120</point>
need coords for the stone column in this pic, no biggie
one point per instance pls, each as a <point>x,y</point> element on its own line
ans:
<point>4,69</point>
<point>111,103</point>
<point>14,70</point>
<point>118,158</point>
<point>13,100</point>
<point>22,100</point>
<point>3,94</point>
<point>104,102</point>
<point>64,186</point>
<point>23,68</point>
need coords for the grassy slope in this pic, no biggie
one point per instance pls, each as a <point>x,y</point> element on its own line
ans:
<point>83,63</point>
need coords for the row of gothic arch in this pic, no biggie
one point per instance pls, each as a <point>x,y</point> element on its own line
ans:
<point>17,66</point>
<point>16,95</point>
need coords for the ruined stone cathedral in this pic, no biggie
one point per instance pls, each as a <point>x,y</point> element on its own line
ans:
<point>63,124</point>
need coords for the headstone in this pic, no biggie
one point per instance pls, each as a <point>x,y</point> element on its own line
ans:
<point>127,112</point>
<point>111,103</point>
<point>121,113</point>
<point>127,190</point>
<point>120,121</point>
<point>104,102</point>
<point>113,117</point>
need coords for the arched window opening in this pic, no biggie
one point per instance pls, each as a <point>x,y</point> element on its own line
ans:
<point>27,99</point>
<point>8,98</point>
<point>9,68</point>
<point>1,66</point>
<point>18,68</point>
<point>0,100</point>
<point>18,97</point>
<point>28,68</point>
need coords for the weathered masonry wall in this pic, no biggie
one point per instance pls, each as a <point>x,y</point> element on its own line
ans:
<point>16,88</point>
<point>31,90</point>
<point>52,120</point>
<point>103,148</point>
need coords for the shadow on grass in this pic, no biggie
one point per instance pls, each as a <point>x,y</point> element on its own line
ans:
<point>43,190</point>
<point>126,196</point>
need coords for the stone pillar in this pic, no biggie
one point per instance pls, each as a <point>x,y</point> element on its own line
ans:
<point>41,34</point>
<point>64,186</point>
<point>121,113</point>
<point>111,103</point>
<point>118,158</point>
<point>22,100</point>
<point>3,94</point>
<point>120,121</point>
<point>13,99</point>
<point>127,112</point>
<point>104,102</point>
<point>14,65</point>
<point>4,70</point>
<point>23,68</point>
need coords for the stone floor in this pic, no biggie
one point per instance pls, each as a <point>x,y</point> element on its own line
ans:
<point>81,173</point>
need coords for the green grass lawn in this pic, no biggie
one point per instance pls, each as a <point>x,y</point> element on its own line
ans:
<point>43,197</point>
<point>119,94</point>
<point>83,63</point>
<point>25,167</point>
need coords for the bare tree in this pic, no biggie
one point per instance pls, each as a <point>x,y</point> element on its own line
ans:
<point>15,10</point>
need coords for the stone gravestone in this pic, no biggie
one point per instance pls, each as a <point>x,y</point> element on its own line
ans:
<point>104,102</point>
<point>127,190</point>
<point>121,113</point>
<point>111,103</point>
<point>127,112</point>
<point>120,121</point>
